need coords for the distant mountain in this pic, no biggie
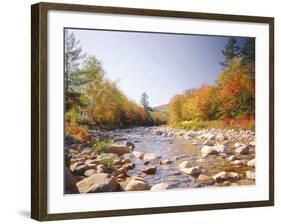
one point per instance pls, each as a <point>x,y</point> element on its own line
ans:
<point>161,108</point>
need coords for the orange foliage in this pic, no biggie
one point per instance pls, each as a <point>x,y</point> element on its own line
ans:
<point>77,133</point>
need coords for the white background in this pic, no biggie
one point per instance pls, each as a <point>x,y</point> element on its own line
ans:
<point>15,112</point>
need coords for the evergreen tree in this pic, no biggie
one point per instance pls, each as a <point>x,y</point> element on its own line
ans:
<point>248,51</point>
<point>144,102</point>
<point>230,51</point>
<point>72,56</point>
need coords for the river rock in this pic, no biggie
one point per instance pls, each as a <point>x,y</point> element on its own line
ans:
<point>159,187</point>
<point>137,185</point>
<point>220,177</point>
<point>118,149</point>
<point>237,162</point>
<point>138,154</point>
<point>89,172</point>
<point>233,175</point>
<point>244,149</point>
<point>252,143</point>
<point>191,134</point>
<point>73,166</point>
<point>80,170</point>
<point>237,145</point>
<point>150,156</point>
<point>251,163</point>
<point>125,160</point>
<point>150,170</point>
<point>130,144</point>
<point>193,171</point>
<point>233,158</point>
<point>221,148</point>
<point>70,182</point>
<point>205,179</point>
<point>208,143</point>
<point>119,171</point>
<point>101,182</point>
<point>165,162</point>
<point>184,164</point>
<point>251,175</point>
<point>208,150</point>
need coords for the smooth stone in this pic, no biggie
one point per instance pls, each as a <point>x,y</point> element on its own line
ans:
<point>138,154</point>
<point>208,150</point>
<point>100,182</point>
<point>233,158</point>
<point>233,175</point>
<point>150,170</point>
<point>237,145</point>
<point>251,175</point>
<point>193,171</point>
<point>150,156</point>
<point>137,185</point>
<point>118,149</point>
<point>221,148</point>
<point>89,172</point>
<point>205,179</point>
<point>220,177</point>
<point>185,164</point>
<point>165,162</point>
<point>159,187</point>
<point>244,149</point>
<point>252,163</point>
<point>208,143</point>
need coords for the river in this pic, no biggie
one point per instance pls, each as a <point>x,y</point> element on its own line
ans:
<point>177,150</point>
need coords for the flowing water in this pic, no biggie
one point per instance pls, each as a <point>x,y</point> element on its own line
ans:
<point>176,150</point>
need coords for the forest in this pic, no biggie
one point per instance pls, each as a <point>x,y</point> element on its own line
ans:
<point>93,100</point>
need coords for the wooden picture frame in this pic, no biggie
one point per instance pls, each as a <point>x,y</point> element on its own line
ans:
<point>39,109</point>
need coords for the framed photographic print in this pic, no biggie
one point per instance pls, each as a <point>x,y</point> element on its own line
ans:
<point>140,111</point>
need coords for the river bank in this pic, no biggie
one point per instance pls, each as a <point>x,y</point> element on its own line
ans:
<point>157,158</point>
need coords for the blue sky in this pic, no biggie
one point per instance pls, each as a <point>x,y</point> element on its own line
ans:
<point>162,65</point>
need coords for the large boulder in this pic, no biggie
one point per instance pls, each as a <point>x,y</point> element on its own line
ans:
<point>208,150</point>
<point>244,149</point>
<point>137,185</point>
<point>119,149</point>
<point>70,182</point>
<point>100,182</point>
<point>159,187</point>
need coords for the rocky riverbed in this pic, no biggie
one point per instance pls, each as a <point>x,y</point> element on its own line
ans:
<point>158,158</point>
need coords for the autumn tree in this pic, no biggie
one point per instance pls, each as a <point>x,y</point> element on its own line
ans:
<point>236,91</point>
